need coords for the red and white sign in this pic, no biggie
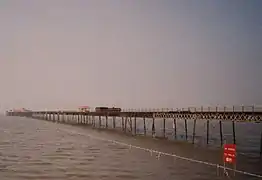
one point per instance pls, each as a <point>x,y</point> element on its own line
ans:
<point>230,153</point>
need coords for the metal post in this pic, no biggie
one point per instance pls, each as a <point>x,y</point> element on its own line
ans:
<point>194,131</point>
<point>135,125</point>
<point>106,121</point>
<point>99,121</point>
<point>144,119</point>
<point>261,145</point>
<point>186,128</point>
<point>114,122</point>
<point>153,127</point>
<point>131,124</point>
<point>164,127</point>
<point>122,123</point>
<point>174,126</point>
<point>93,121</point>
<point>207,131</point>
<point>126,122</point>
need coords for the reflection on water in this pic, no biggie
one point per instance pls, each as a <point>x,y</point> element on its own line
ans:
<point>34,149</point>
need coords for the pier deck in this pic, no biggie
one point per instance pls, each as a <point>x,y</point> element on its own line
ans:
<point>128,121</point>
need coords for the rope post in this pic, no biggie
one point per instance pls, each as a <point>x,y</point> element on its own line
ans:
<point>234,132</point>
<point>221,133</point>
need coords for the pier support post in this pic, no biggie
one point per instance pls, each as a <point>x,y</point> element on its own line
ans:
<point>164,127</point>
<point>221,133</point>
<point>58,117</point>
<point>153,128</point>
<point>126,122</point>
<point>131,124</point>
<point>99,121</point>
<point>186,128</point>
<point>135,125</point>
<point>114,122</point>
<point>106,121</point>
<point>122,120</point>
<point>62,117</point>
<point>174,126</point>
<point>234,132</point>
<point>93,121</point>
<point>261,144</point>
<point>194,131</point>
<point>207,131</point>
<point>144,120</point>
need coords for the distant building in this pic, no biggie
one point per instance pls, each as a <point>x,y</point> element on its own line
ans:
<point>84,109</point>
<point>107,109</point>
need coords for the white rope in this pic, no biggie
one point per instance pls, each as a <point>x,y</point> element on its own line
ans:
<point>159,153</point>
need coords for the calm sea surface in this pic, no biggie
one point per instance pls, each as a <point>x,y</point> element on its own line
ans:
<point>36,149</point>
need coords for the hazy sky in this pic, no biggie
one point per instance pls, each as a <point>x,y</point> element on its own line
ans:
<point>131,54</point>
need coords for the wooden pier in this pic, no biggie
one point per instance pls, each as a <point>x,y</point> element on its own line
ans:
<point>127,120</point>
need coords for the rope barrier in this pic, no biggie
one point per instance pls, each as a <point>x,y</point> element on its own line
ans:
<point>159,153</point>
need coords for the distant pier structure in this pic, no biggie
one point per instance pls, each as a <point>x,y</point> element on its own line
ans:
<point>175,124</point>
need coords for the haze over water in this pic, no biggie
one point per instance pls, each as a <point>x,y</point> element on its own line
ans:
<point>132,54</point>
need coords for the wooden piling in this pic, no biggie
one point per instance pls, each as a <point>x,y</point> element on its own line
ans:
<point>194,132</point>
<point>221,133</point>
<point>207,131</point>
<point>234,132</point>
